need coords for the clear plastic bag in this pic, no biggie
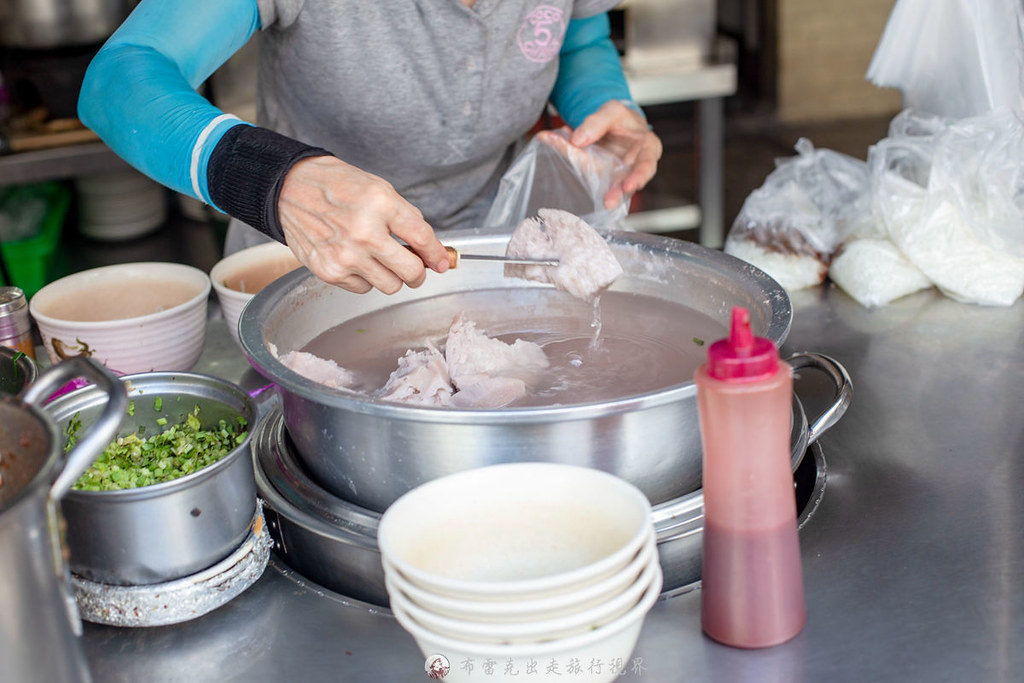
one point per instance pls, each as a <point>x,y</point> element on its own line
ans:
<point>791,225</point>
<point>950,195</point>
<point>560,176</point>
<point>807,205</point>
<point>953,58</point>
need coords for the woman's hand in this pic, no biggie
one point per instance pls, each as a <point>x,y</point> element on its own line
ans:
<point>342,222</point>
<point>624,132</point>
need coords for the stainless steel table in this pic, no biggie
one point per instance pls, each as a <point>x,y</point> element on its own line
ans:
<point>913,561</point>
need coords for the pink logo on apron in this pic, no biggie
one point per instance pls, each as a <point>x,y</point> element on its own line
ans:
<point>540,36</point>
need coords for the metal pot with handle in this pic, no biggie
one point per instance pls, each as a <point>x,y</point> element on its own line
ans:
<point>45,24</point>
<point>370,452</point>
<point>39,620</point>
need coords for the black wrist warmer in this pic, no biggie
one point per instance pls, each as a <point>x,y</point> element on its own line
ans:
<point>246,172</point>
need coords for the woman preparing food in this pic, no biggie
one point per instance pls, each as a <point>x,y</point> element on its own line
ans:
<point>376,120</point>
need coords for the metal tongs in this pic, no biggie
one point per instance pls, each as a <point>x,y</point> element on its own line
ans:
<point>455,256</point>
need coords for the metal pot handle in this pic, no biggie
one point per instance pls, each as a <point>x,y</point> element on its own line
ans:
<point>844,389</point>
<point>100,433</point>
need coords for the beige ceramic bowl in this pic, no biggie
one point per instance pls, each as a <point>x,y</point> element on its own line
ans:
<point>538,609</point>
<point>238,277</point>
<point>132,317</point>
<point>610,644</point>
<point>535,631</point>
<point>515,531</point>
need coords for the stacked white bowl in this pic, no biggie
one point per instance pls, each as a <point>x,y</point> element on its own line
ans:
<point>119,205</point>
<point>238,277</point>
<point>529,565</point>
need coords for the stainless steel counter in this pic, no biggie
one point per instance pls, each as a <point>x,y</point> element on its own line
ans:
<point>913,561</point>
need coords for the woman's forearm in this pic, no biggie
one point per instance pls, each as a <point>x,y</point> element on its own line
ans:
<point>139,93</point>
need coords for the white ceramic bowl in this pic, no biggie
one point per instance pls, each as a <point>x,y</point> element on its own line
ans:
<point>538,631</point>
<point>132,317</point>
<point>515,531</point>
<point>613,642</point>
<point>239,276</point>
<point>515,611</point>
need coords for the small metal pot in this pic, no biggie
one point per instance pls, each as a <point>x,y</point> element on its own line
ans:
<point>17,371</point>
<point>39,620</point>
<point>170,530</point>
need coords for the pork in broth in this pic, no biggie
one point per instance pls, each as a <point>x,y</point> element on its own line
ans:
<point>646,344</point>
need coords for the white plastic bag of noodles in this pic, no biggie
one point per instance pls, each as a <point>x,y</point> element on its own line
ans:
<point>954,58</point>
<point>560,176</point>
<point>951,197</point>
<point>869,266</point>
<point>790,226</point>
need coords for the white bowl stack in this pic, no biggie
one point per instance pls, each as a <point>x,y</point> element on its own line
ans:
<point>526,564</point>
<point>119,205</point>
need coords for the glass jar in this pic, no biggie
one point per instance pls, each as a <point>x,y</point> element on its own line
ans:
<point>15,325</point>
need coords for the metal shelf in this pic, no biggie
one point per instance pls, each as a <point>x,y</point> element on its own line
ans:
<point>707,84</point>
<point>58,163</point>
<point>688,84</point>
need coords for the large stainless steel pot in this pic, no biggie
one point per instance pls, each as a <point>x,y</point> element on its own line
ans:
<point>334,543</point>
<point>370,452</point>
<point>170,530</point>
<point>39,622</point>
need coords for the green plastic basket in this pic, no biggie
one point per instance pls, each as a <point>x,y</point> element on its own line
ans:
<point>30,262</point>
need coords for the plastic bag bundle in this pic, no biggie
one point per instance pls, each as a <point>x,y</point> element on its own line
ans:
<point>560,176</point>
<point>869,266</point>
<point>791,225</point>
<point>953,58</point>
<point>874,272</point>
<point>945,195</point>
<point>950,195</point>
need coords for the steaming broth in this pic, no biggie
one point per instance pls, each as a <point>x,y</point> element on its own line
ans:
<point>645,343</point>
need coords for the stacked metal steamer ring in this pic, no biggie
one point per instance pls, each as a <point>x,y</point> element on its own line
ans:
<point>165,524</point>
<point>522,563</point>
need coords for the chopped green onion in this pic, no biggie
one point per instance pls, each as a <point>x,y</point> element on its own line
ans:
<point>133,461</point>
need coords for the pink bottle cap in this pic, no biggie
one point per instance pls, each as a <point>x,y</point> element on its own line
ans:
<point>742,357</point>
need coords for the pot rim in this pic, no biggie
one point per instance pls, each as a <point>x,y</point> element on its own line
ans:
<point>259,308</point>
<point>278,504</point>
<point>22,363</point>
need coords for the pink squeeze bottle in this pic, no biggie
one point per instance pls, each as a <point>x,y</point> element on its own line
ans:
<point>752,591</point>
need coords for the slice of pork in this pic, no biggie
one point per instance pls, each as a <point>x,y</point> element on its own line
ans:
<point>484,391</point>
<point>586,266</point>
<point>420,379</point>
<point>469,351</point>
<point>487,372</point>
<point>322,370</point>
